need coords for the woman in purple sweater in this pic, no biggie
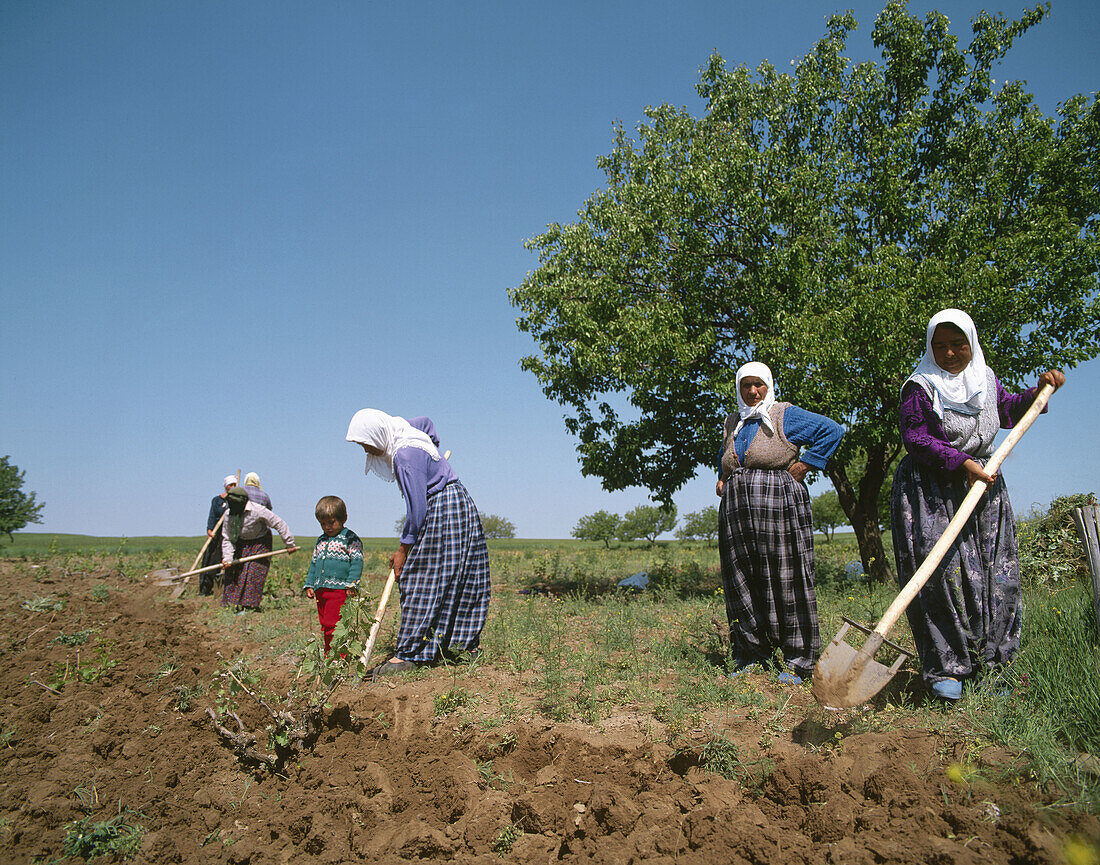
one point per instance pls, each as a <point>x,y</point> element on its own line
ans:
<point>968,616</point>
<point>442,562</point>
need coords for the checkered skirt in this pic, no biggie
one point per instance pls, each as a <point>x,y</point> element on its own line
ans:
<point>445,581</point>
<point>765,532</point>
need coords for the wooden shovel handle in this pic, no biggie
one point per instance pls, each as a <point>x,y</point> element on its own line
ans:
<point>929,565</point>
<point>378,617</point>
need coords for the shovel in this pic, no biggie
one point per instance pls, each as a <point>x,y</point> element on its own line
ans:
<point>846,676</point>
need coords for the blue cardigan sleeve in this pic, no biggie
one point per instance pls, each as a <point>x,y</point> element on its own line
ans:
<point>818,435</point>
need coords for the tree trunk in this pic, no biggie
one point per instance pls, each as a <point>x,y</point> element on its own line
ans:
<point>862,509</point>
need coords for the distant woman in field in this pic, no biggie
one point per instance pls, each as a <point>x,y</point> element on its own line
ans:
<point>968,616</point>
<point>765,528</point>
<point>212,554</point>
<point>255,491</point>
<point>442,563</point>
<point>247,532</point>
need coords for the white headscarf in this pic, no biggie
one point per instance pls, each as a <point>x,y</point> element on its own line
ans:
<point>760,410</point>
<point>229,481</point>
<point>252,480</point>
<point>389,434</point>
<point>964,392</point>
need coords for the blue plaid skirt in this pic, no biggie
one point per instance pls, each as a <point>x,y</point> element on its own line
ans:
<point>765,541</point>
<point>445,582</point>
<point>969,615</point>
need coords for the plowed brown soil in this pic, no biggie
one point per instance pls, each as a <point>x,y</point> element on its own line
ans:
<point>388,781</point>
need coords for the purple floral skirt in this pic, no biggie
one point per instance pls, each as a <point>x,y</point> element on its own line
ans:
<point>969,614</point>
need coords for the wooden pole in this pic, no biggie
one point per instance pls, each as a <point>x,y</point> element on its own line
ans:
<point>378,617</point>
<point>1088,527</point>
<point>202,552</point>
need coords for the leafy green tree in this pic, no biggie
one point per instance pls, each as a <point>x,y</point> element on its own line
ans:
<point>700,525</point>
<point>17,508</point>
<point>827,512</point>
<point>815,220</point>
<point>600,526</point>
<point>497,527</point>
<point>647,521</point>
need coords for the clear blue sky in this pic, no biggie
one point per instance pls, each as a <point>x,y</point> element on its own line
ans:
<point>225,227</point>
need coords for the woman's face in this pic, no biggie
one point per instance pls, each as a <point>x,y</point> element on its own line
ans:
<point>950,349</point>
<point>753,390</point>
<point>373,451</point>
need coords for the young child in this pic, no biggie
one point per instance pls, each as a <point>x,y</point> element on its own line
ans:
<point>336,566</point>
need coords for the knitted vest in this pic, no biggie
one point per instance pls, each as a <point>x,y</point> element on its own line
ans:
<point>766,450</point>
<point>974,434</point>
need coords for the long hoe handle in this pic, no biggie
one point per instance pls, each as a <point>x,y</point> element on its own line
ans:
<point>929,565</point>
<point>378,617</point>
<point>202,552</point>
<point>237,562</point>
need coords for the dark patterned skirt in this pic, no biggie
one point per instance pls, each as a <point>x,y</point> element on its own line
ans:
<point>212,556</point>
<point>445,581</point>
<point>244,584</point>
<point>765,541</point>
<point>969,614</point>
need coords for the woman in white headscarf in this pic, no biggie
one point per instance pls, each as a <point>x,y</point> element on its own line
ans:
<point>765,527</point>
<point>968,616</point>
<point>442,562</point>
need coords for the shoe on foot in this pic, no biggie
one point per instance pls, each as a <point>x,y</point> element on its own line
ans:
<point>390,668</point>
<point>790,677</point>
<point>740,666</point>
<point>948,689</point>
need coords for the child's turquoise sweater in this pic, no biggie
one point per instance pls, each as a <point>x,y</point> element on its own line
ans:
<point>337,562</point>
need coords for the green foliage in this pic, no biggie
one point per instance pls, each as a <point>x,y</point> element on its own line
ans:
<point>600,526</point>
<point>827,512</point>
<point>700,525</point>
<point>450,700</point>
<point>505,839</point>
<point>496,527</point>
<point>118,837</point>
<point>647,521</point>
<point>17,508</point>
<point>100,593</point>
<point>815,220</point>
<point>1050,549</point>
<point>46,604</point>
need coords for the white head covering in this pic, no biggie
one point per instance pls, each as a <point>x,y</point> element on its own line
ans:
<point>389,434</point>
<point>760,410</point>
<point>229,481</point>
<point>252,480</point>
<point>964,392</point>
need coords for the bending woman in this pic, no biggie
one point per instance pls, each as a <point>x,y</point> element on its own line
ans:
<point>765,527</point>
<point>247,532</point>
<point>442,563</point>
<point>968,616</point>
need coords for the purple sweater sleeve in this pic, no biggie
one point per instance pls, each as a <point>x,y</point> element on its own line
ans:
<point>922,430</point>
<point>419,477</point>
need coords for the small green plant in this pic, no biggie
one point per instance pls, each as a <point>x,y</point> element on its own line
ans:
<point>93,671</point>
<point>100,593</point>
<point>506,838</point>
<point>77,639</point>
<point>6,735</point>
<point>119,836</point>
<point>46,604</point>
<point>450,700</point>
<point>185,695</point>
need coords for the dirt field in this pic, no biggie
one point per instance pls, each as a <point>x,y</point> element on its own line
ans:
<point>390,781</point>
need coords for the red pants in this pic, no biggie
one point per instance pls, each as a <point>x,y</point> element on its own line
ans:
<point>329,602</point>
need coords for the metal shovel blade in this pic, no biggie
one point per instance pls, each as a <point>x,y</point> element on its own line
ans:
<point>846,676</point>
<point>163,576</point>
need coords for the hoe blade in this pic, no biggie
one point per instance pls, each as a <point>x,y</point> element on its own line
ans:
<point>846,676</point>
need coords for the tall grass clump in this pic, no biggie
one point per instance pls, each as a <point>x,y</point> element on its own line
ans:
<point>1047,704</point>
